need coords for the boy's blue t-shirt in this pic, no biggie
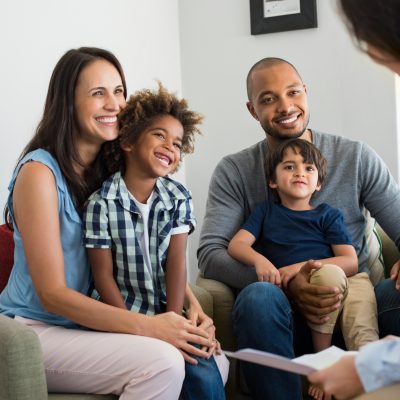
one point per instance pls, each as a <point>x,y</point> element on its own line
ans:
<point>286,237</point>
<point>19,296</point>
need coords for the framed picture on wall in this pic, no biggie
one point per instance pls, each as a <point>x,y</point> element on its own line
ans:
<point>267,16</point>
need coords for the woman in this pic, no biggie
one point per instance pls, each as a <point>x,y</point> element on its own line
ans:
<point>376,368</point>
<point>129,354</point>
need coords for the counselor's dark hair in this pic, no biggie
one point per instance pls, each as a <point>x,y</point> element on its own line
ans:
<point>303,147</point>
<point>141,110</point>
<point>57,131</point>
<point>375,22</point>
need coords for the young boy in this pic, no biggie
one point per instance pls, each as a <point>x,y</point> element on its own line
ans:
<point>136,225</point>
<point>287,234</point>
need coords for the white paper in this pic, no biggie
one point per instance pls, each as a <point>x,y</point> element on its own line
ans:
<point>302,365</point>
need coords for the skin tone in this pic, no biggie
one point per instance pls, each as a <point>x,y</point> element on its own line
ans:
<point>156,153</point>
<point>38,223</point>
<point>278,101</point>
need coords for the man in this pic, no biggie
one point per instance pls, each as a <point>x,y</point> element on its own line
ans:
<point>357,179</point>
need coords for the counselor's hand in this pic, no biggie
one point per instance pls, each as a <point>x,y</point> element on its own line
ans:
<point>181,333</point>
<point>340,379</point>
<point>314,302</point>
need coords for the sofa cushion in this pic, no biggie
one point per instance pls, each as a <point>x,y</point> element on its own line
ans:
<point>6,254</point>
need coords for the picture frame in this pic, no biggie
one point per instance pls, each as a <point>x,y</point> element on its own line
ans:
<point>269,16</point>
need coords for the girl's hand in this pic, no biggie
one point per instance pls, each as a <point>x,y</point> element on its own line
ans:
<point>181,333</point>
<point>199,318</point>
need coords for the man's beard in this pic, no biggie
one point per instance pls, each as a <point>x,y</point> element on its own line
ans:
<point>282,136</point>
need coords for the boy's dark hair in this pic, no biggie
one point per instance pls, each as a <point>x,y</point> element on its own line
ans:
<point>142,109</point>
<point>375,22</point>
<point>306,149</point>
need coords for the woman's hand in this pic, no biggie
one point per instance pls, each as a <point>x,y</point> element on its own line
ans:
<point>181,333</point>
<point>199,318</point>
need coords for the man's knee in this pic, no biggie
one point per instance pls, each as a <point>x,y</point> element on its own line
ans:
<point>259,296</point>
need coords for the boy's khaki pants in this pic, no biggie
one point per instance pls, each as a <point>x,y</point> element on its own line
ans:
<point>358,316</point>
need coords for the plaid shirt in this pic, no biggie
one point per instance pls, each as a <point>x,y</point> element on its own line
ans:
<point>112,220</point>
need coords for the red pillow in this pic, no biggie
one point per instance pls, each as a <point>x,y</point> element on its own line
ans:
<point>6,254</point>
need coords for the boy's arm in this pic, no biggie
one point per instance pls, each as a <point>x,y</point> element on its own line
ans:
<point>345,257</point>
<point>176,275</point>
<point>102,269</point>
<point>240,249</point>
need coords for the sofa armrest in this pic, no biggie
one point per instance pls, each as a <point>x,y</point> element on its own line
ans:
<point>223,300</point>
<point>22,375</point>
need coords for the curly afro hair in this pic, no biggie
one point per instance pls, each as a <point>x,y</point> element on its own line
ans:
<point>142,109</point>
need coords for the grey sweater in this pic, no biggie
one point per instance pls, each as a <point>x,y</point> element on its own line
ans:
<point>357,180</point>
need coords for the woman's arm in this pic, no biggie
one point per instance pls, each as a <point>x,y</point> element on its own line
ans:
<point>102,269</point>
<point>176,276</point>
<point>38,223</point>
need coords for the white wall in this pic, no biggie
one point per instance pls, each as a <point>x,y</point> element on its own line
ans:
<point>348,94</point>
<point>143,34</point>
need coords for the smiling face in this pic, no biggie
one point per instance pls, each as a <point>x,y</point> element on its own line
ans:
<point>279,102</point>
<point>99,97</point>
<point>157,151</point>
<point>295,180</point>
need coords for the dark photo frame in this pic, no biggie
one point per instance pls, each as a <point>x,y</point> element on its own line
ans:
<point>282,15</point>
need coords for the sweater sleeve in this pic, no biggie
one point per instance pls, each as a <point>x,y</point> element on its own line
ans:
<point>380,193</point>
<point>224,216</point>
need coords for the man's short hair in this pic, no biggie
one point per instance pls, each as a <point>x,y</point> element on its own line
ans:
<point>263,64</point>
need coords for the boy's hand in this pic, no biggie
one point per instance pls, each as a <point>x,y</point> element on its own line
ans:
<point>267,272</point>
<point>288,273</point>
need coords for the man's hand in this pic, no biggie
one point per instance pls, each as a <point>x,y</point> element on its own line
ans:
<point>340,379</point>
<point>395,274</point>
<point>267,272</point>
<point>314,302</point>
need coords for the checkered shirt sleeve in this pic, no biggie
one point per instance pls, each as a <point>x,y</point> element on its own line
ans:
<point>96,233</point>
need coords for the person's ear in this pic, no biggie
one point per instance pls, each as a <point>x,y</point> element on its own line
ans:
<point>305,88</point>
<point>250,107</point>
<point>273,185</point>
<point>128,147</point>
<point>318,188</point>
